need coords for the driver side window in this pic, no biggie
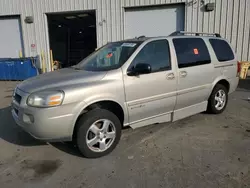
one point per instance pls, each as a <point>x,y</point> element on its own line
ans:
<point>156,54</point>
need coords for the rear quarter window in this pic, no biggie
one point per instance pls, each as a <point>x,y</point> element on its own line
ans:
<point>222,50</point>
<point>191,52</point>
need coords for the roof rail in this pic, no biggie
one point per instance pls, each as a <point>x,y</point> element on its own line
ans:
<point>176,33</point>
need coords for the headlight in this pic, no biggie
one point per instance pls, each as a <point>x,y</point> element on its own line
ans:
<point>45,99</point>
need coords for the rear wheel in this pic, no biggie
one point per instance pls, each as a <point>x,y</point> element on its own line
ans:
<point>98,133</point>
<point>218,99</point>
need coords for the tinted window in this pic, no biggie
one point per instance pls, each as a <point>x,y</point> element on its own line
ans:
<point>155,53</point>
<point>222,50</point>
<point>191,52</point>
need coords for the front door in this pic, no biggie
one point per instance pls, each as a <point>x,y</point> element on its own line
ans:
<point>151,97</point>
<point>195,76</point>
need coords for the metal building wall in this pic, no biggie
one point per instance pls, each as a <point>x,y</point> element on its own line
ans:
<point>231,18</point>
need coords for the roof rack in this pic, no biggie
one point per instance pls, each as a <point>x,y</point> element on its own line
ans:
<point>176,33</point>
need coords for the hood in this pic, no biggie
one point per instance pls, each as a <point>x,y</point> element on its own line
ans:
<point>60,78</point>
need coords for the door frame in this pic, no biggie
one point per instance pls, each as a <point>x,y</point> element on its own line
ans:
<point>159,118</point>
<point>47,33</point>
<point>195,108</point>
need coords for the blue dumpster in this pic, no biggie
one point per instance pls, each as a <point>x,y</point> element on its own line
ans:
<point>17,69</point>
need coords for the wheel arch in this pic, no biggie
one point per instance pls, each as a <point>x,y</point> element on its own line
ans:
<point>225,83</point>
<point>222,81</point>
<point>111,105</point>
<point>211,105</point>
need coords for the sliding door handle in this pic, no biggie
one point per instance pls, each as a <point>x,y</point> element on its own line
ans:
<point>170,76</point>
<point>183,73</point>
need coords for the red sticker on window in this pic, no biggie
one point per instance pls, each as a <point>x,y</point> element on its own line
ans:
<point>109,55</point>
<point>196,51</point>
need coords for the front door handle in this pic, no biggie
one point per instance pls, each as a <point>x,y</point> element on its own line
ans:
<point>183,73</point>
<point>170,76</point>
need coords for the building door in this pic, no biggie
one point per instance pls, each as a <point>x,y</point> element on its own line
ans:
<point>154,21</point>
<point>10,38</point>
<point>72,36</point>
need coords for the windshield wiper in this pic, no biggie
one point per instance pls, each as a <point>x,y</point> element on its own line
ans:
<point>75,68</point>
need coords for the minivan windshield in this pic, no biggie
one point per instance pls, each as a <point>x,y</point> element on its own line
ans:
<point>109,57</point>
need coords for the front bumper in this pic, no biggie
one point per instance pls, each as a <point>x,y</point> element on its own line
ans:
<point>48,124</point>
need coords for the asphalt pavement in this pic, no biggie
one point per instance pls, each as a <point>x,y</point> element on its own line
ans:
<point>203,151</point>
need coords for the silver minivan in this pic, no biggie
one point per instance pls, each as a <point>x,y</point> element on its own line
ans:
<point>132,83</point>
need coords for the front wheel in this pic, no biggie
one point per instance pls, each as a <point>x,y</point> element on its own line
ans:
<point>98,133</point>
<point>218,99</point>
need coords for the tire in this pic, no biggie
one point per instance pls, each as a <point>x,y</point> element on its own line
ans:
<point>212,102</point>
<point>88,124</point>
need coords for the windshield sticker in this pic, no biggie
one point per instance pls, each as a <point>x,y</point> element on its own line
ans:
<point>129,45</point>
<point>109,55</point>
<point>196,51</point>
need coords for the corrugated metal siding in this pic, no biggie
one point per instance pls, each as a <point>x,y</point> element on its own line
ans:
<point>231,18</point>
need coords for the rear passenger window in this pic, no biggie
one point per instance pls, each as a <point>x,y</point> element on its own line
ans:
<point>222,50</point>
<point>191,52</point>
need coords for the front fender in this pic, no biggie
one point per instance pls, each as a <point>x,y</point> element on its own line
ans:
<point>94,99</point>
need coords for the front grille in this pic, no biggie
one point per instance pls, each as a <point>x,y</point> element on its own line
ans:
<point>17,98</point>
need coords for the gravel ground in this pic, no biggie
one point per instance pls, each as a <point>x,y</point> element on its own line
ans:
<point>200,151</point>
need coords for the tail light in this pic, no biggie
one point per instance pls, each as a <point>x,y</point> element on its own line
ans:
<point>238,68</point>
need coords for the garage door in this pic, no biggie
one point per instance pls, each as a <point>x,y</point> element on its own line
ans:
<point>153,21</point>
<point>10,38</point>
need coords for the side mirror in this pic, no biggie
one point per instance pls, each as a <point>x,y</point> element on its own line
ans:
<point>140,68</point>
